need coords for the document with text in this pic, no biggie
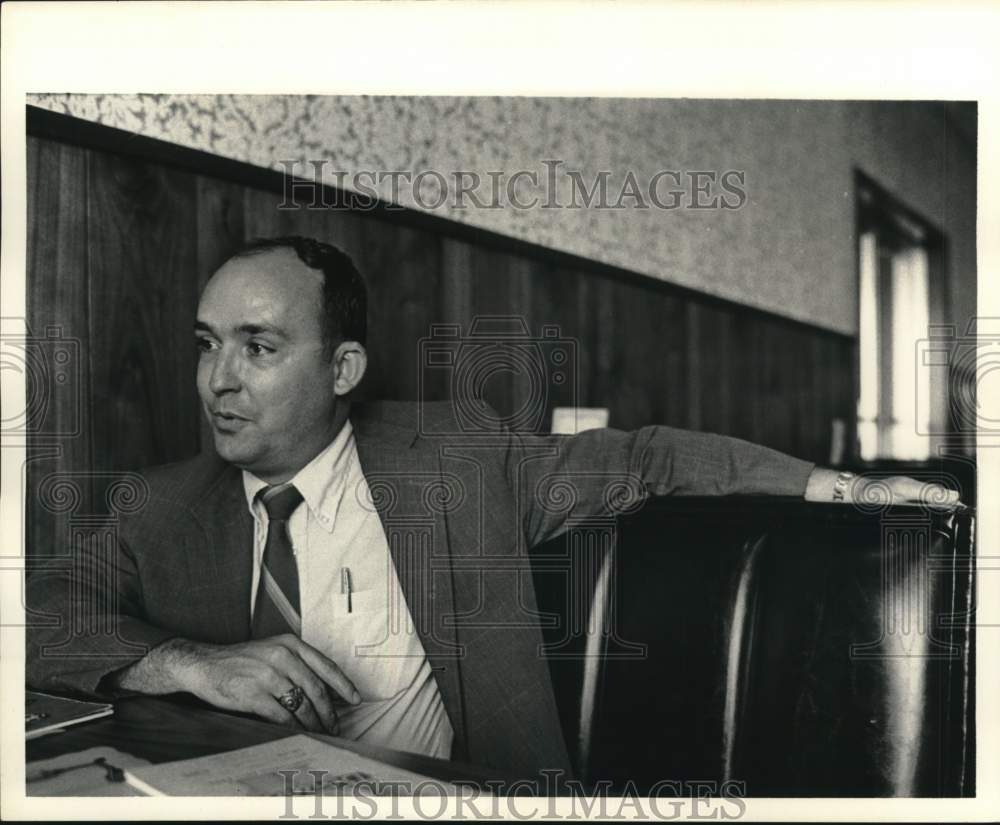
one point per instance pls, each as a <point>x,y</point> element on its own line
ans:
<point>294,765</point>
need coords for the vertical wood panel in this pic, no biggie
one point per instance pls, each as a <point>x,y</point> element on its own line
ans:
<point>649,336</point>
<point>601,342</point>
<point>142,259</point>
<point>670,329</point>
<point>586,356</point>
<point>402,267</point>
<point>555,320</point>
<point>777,412</point>
<point>221,225</point>
<point>693,365</point>
<point>261,218</point>
<point>820,404</point>
<point>58,320</point>
<point>455,296</point>
<point>493,292</point>
<point>534,394</point>
<point>715,383</point>
<point>454,307</point>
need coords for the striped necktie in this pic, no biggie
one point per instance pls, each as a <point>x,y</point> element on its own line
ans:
<point>276,610</point>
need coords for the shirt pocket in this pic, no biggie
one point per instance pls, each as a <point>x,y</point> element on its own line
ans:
<point>376,627</point>
<point>362,603</point>
<point>384,659</point>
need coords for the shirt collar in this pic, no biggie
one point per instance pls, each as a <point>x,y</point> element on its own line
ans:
<point>321,481</point>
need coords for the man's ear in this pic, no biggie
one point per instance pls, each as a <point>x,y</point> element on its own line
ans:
<point>351,359</point>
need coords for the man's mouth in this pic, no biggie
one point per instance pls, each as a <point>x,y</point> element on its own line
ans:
<point>227,421</point>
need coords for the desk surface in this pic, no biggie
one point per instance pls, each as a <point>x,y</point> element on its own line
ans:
<point>164,730</point>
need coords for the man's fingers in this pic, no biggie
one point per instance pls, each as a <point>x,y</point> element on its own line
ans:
<point>909,489</point>
<point>884,490</point>
<point>940,496</point>
<point>316,712</point>
<point>253,676</point>
<point>265,706</point>
<point>310,718</point>
<point>928,493</point>
<point>271,709</point>
<point>328,671</point>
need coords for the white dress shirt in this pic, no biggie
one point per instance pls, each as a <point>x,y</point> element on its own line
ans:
<point>401,706</point>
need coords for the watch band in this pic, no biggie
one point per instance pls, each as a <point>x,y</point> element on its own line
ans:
<point>840,485</point>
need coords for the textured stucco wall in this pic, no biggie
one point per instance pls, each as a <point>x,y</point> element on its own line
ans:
<point>789,249</point>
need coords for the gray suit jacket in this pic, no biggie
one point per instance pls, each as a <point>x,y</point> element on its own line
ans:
<point>460,511</point>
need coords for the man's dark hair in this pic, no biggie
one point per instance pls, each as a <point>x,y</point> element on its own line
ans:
<point>345,300</point>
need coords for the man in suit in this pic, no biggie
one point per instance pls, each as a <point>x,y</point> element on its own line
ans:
<point>357,569</point>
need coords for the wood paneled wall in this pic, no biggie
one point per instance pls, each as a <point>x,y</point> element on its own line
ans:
<point>120,244</point>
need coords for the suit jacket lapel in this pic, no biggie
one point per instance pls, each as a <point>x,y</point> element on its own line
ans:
<point>402,478</point>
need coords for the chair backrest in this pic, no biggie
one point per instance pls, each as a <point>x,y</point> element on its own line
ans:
<point>803,650</point>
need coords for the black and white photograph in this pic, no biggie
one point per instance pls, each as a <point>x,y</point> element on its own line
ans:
<point>373,447</point>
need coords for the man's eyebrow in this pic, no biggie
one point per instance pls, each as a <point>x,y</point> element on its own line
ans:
<point>257,329</point>
<point>249,329</point>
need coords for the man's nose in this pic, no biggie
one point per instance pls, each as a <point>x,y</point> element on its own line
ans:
<point>225,373</point>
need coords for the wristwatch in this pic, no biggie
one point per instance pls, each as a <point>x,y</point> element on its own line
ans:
<point>840,485</point>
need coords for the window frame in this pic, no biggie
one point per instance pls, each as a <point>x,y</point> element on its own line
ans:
<point>876,208</point>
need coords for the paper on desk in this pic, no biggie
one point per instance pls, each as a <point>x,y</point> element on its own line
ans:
<point>45,713</point>
<point>254,771</point>
<point>89,780</point>
<point>37,734</point>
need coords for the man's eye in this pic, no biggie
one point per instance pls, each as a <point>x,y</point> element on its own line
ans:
<point>257,348</point>
<point>203,344</point>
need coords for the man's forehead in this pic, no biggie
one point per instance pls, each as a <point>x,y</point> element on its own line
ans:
<point>273,264</point>
<point>261,288</point>
<point>279,271</point>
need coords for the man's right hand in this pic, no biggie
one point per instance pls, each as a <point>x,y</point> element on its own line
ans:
<point>248,677</point>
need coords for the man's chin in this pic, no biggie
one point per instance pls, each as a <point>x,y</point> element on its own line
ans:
<point>230,449</point>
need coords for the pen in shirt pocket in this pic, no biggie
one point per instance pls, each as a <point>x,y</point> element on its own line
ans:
<point>346,587</point>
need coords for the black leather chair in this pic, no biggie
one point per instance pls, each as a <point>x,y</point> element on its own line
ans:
<point>801,649</point>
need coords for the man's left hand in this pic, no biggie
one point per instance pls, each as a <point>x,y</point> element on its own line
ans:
<point>846,488</point>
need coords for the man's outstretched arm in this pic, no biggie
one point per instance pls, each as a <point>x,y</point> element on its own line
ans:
<point>598,464</point>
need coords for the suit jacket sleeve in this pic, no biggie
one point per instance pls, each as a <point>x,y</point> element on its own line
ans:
<point>86,621</point>
<point>601,472</point>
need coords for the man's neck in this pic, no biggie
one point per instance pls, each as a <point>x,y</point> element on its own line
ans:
<point>340,416</point>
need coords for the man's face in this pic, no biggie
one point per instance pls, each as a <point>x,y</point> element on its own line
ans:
<point>264,383</point>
